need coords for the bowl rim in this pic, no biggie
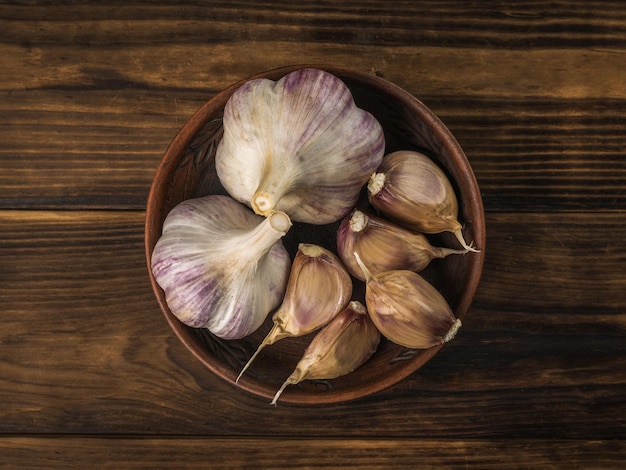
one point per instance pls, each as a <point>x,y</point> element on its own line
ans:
<point>183,137</point>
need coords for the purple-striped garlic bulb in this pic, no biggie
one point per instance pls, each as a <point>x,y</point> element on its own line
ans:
<point>298,145</point>
<point>221,266</point>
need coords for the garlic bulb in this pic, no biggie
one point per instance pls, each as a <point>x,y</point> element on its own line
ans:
<point>412,190</point>
<point>298,145</point>
<point>407,309</point>
<point>346,343</point>
<point>221,266</point>
<point>319,287</point>
<point>384,246</point>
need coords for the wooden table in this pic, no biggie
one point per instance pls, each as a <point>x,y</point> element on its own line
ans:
<point>91,94</point>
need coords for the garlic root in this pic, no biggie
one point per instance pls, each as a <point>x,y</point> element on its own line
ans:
<point>449,336</point>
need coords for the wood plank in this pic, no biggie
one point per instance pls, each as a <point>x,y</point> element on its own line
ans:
<point>85,349</point>
<point>198,452</point>
<point>102,89</point>
<point>91,94</point>
<point>502,25</point>
<point>485,51</point>
<point>100,149</point>
<point>490,73</point>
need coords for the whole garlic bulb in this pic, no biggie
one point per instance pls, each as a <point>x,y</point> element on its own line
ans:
<point>221,266</point>
<point>298,145</point>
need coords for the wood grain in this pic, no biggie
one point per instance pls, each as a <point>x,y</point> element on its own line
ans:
<point>76,297</point>
<point>86,126</point>
<point>91,95</point>
<point>155,453</point>
<point>528,155</point>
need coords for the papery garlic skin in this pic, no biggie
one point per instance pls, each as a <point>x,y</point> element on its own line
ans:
<point>298,145</point>
<point>384,246</point>
<point>410,189</point>
<point>221,266</point>
<point>407,309</point>
<point>346,343</point>
<point>319,287</point>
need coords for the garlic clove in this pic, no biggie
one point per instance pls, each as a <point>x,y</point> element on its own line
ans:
<point>384,246</point>
<point>319,287</point>
<point>298,145</point>
<point>346,343</point>
<point>412,190</point>
<point>221,266</point>
<point>407,309</point>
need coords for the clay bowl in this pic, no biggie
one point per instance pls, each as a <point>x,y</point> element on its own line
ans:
<point>187,171</point>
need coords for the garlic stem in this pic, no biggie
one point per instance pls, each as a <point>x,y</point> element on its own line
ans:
<point>270,230</point>
<point>276,333</point>
<point>280,222</point>
<point>262,203</point>
<point>293,379</point>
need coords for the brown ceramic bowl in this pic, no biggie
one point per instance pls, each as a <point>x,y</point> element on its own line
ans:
<point>187,171</point>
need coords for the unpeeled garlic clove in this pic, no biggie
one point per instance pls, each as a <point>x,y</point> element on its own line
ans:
<point>319,287</point>
<point>412,190</point>
<point>346,343</point>
<point>298,145</point>
<point>407,309</point>
<point>384,246</point>
<point>221,266</point>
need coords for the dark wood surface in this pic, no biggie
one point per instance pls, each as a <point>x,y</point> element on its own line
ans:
<point>91,94</point>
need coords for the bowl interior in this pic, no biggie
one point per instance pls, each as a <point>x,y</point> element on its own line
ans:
<point>187,170</point>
